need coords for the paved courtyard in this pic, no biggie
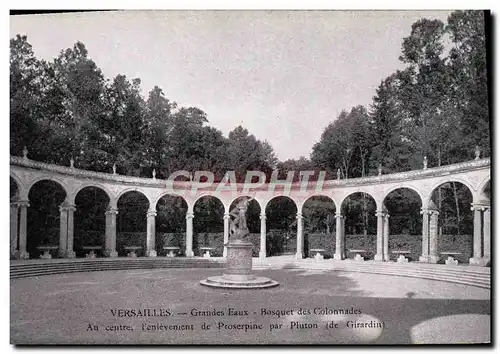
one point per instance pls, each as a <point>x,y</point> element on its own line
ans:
<point>309,306</point>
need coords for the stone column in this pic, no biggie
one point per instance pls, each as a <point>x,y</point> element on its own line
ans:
<point>487,233</point>
<point>14,220</point>
<point>339,225</point>
<point>71,229</point>
<point>111,232</point>
<point>226,233</point>
<point>23,205</point>
<point>433,236</point>
<point>299,254</point>
<point>151,233</point>
<point>425,236</point>
<point>380,235</point>
<point>386,238</point>
<point>189,234</point>
<point>477,232</point>
<point>262,252</point>
<point>63,230</point>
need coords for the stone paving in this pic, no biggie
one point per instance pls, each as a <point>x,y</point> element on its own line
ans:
<point>77,309</point>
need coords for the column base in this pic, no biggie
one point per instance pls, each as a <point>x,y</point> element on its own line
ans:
<point>152,253</point>
<point>424,259</point>
<point>299,255</point>
<point>224,252</point>
<point>338,256</point>
<point>61,253</point>
<point>433,259</point>
<point>23,255</point>
<point>111,254</point>
<point>379,258</point>
<point>480,262</point>
<point>70,254</point>
<point>262,255</point>
<point>189,253</point>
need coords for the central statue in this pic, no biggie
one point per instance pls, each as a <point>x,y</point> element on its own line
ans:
<point>238,274</point>
<point>238,228</point>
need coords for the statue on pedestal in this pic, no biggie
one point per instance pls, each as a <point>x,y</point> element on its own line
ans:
<point>238,228</point>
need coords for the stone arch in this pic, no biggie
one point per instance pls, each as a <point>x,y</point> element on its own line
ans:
<point>46,196</point>
<point>170,222</point>
<point>132,189</point>
<point>278,196</point>
<point>91,202</point>
<point>49,178</point>
<point>208,224</point>
<point>341,203</point>
<point>131,220</point>
<point>95,185</point>
<point>455,219</point>
<point>203,196</point>
<point>301,204</point>
<point>443,181</point>
<point>481,194</point>
<point>404,186</point>
<point>154,204</point>
<point>15,190</point>
<point>281,225</point>
<point>318,212</point>
<point>19,185</point>
<point>403,207</point>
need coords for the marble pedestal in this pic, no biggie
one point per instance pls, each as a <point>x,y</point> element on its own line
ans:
<point>238,274</point>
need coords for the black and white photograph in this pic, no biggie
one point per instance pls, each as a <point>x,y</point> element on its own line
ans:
<point>250,177</point>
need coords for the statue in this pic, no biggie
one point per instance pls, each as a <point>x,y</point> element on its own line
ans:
<point>25,153</point>
<point>477,153</point>
<point>114,168</point>
<point>238,228</point>
<point>154,173</point>
<point>380,169</point>
<point>72,163</point>
<point>425,162</point>
<point>338,173</point>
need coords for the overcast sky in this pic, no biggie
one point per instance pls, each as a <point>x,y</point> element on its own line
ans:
<point>283,75</point>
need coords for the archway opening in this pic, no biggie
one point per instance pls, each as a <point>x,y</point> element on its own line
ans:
<point>281,226</point>
<point>90,221</point>
<point>360,224</point>
<point>43,222</point>
<point>319,225</point>
<point>253,222</point>
<point>208,226</point>
<point>170,224</point>
<point>403,206</point>
<point>131,223</point>
<point>455,220</point>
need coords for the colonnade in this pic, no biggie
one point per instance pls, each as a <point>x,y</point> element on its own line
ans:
<point>430,215</point>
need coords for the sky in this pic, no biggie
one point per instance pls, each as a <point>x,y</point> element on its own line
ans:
<point>283,75</point>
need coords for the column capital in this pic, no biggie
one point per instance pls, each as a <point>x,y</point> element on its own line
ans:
<point>23,203</point>
<point>14,204</point>
<point>151,213</point>
<point>189,215</point>
<point>263,216</point>
<point>479,207</point>
<point>424,211</point>
<point>338,215</point>
<point>387,216</point>
<point>433,212</point>
<point>298,216</point>
<point>227,216</point>
<point>380,213</point>
<point>111,212</point>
